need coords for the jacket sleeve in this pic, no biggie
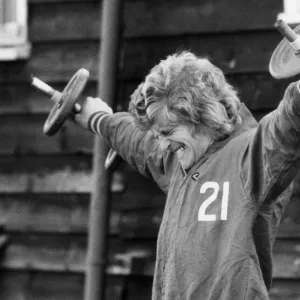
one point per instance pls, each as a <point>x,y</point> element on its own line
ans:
<point>139,149</point>
<point>271,155</point>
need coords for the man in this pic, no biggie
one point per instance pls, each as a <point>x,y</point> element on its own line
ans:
<point>227,178</point>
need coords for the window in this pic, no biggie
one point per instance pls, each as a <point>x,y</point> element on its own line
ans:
<point>13,30</point>
<point>291,13</point>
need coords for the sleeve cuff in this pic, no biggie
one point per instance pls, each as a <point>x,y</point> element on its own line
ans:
<point>94,121</point>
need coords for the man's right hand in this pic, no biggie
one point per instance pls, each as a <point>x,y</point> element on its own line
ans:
<point>89,106</point>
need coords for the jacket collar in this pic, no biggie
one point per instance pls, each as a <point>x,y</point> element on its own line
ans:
<point>248,122</point>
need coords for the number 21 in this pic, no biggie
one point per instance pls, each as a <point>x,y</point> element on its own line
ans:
<point>202,216</point>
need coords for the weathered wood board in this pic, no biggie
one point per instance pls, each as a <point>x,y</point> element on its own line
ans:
<point>65,286</point>
<point>67,253</point>
<point>234,53</point>
<point>151,18</point>
<point>23,285</point>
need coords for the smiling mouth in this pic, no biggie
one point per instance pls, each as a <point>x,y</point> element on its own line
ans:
<point>180,151</point>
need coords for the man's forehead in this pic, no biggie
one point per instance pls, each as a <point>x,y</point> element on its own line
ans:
<point>160,118</point>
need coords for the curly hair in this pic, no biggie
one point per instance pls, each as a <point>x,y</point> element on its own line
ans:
<point>186,89</point>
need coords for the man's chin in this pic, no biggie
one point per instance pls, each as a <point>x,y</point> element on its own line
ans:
<point>184,165</point>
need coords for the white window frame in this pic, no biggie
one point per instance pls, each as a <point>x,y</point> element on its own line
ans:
<point>291,13</point>
<point>14,33</point>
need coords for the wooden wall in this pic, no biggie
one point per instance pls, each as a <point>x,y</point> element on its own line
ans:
<point>45,183</point>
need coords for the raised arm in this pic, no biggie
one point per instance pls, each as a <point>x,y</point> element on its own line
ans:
<point>139,149</point>
<point>271,156</point>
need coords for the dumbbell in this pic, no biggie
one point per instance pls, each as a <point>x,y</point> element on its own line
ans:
<point>285,60</point>
<point>66,104</point>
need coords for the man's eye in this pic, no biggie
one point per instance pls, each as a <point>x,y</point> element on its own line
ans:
<point>166,132</point>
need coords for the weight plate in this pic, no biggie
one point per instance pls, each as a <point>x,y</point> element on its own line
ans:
<point>284,62</point>
<point>112,160</point>
<point>63,108</point>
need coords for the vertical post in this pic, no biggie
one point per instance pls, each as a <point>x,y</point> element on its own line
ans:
<point>2,12</point>
<point>100,200</point>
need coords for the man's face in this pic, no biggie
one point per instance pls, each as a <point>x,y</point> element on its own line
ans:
<point>189,144</point>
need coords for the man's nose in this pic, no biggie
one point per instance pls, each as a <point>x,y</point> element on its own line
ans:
<point>164,143</point>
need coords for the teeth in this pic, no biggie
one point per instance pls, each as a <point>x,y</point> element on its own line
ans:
<point>180,151</point>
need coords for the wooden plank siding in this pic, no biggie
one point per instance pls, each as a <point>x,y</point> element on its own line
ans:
<point>18,285</point>
<point>153,18</point>
<point>66,286</point>
<point>45,183</point>
<point>235,53</point>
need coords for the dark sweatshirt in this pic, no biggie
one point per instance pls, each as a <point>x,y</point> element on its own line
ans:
<point>220,218</point>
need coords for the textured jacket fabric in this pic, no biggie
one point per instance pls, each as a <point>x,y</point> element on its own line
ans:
<point>220,218</point>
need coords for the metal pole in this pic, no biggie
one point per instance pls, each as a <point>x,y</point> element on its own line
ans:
<point>100,201</point>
